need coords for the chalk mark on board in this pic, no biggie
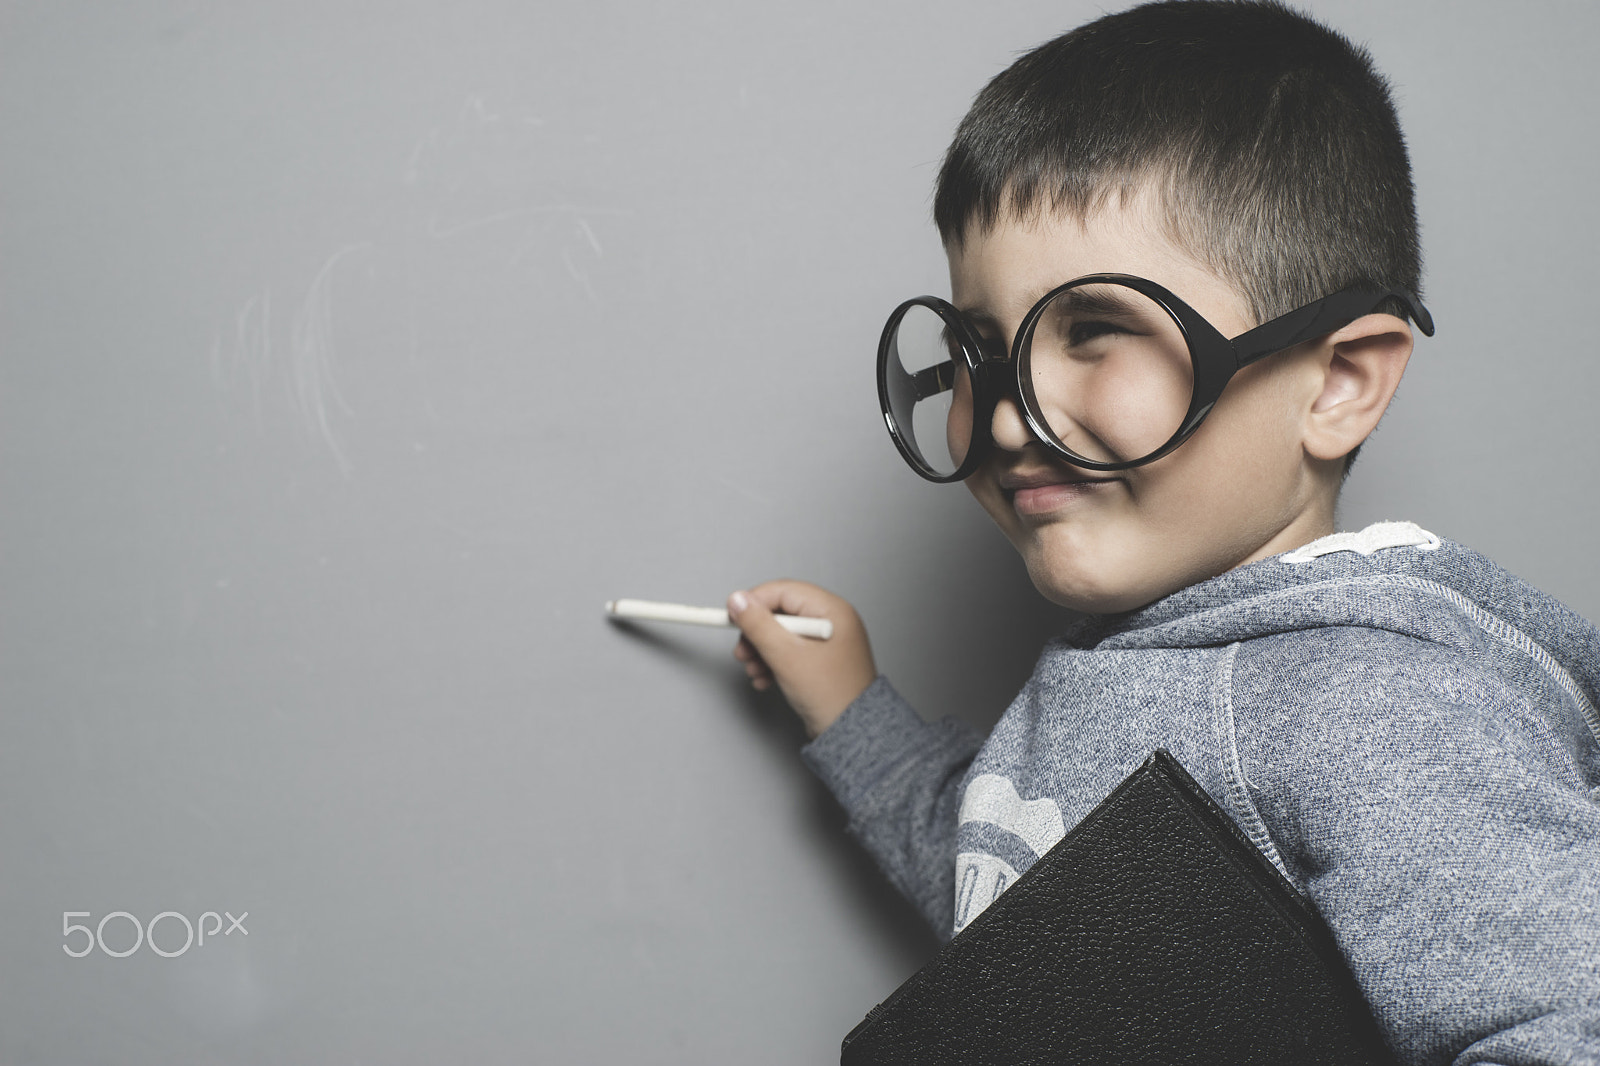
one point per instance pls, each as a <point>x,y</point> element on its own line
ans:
<point>445,232</point>
<point>476,109</point>
<point>472,120</point>
<point>581,276</point>
<point>455,229</point>
<point>310,385</point>
<point>473,179</point>
<point>251,349</point>
<point>594,242</point>
<point>313,385</point>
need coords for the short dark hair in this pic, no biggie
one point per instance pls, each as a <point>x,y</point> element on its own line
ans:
<point>1271,140</point>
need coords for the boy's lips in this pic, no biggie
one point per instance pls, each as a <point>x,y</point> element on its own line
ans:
<point>1041,491</point>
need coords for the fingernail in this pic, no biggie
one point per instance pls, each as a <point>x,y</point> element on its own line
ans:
<point>737,603</point>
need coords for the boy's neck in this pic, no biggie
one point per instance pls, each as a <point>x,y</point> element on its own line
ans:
<point>1312,523</point>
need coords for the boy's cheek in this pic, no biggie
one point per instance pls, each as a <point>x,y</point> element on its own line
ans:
<point>1076,562</point>
<point>993,502</point>
<point>1106,557</point>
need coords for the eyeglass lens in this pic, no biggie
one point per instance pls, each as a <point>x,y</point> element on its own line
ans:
<point>930,391</point>
<point>1108,368</point>
<point>1110,372</point>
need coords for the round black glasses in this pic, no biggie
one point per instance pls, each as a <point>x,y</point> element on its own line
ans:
<point>1110,371</point>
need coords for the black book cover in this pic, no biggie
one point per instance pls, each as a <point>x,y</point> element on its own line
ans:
<point>1153,932</point>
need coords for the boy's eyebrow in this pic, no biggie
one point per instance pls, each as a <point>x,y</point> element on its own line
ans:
<point>1099,300</point>
<point>1096,300</point>
<point>981,318</point>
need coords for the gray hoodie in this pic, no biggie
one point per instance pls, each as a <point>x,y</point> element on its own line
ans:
<point>1406,730</point>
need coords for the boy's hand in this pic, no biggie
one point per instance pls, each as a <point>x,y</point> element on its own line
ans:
<point>819,678</point>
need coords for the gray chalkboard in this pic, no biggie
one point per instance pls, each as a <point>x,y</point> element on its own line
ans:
<point>353,354</point>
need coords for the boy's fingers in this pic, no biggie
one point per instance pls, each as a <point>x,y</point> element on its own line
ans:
<point>793,597</point>
<point>754,618</point>
<point>818,677</point>
<point>755,667</point>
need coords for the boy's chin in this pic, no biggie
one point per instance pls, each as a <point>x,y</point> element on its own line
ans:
<point>1103,591</point>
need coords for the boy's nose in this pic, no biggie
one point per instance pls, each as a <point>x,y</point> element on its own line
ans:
<point>1007,428</point>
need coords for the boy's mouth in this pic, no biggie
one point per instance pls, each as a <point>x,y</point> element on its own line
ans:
<point>1043,490</point>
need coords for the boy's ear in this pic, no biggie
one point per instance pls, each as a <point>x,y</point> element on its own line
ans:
<point>1361,367</point>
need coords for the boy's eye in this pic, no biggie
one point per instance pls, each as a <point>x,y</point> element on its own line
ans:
<point>1081,332</point>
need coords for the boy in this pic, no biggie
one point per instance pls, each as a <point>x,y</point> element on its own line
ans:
<point>1406,731</point>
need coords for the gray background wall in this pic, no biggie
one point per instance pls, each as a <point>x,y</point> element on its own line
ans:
<point>351,355</point>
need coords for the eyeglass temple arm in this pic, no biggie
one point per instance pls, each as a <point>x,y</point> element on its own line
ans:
<point>1324,316</point>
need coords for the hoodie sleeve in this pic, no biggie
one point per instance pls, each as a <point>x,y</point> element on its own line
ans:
<point>898,779</point>
<point>1450,843</point>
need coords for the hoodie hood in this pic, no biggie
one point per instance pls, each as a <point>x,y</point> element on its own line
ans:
<point>1392,576</point>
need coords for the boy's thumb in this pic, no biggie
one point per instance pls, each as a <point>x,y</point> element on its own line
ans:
<point>756,622</point>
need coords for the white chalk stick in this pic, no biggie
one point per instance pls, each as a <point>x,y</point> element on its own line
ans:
<point>652,611</point>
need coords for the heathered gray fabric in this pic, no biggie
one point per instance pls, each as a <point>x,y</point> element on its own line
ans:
<point>1410,735</point>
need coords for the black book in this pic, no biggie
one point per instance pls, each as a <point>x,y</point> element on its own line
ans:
<point>1154,932</point>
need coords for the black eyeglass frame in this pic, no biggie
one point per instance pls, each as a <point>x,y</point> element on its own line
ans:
<point>1215,359</point>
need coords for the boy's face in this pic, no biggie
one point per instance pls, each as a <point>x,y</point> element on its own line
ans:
<point>1242,488</point>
